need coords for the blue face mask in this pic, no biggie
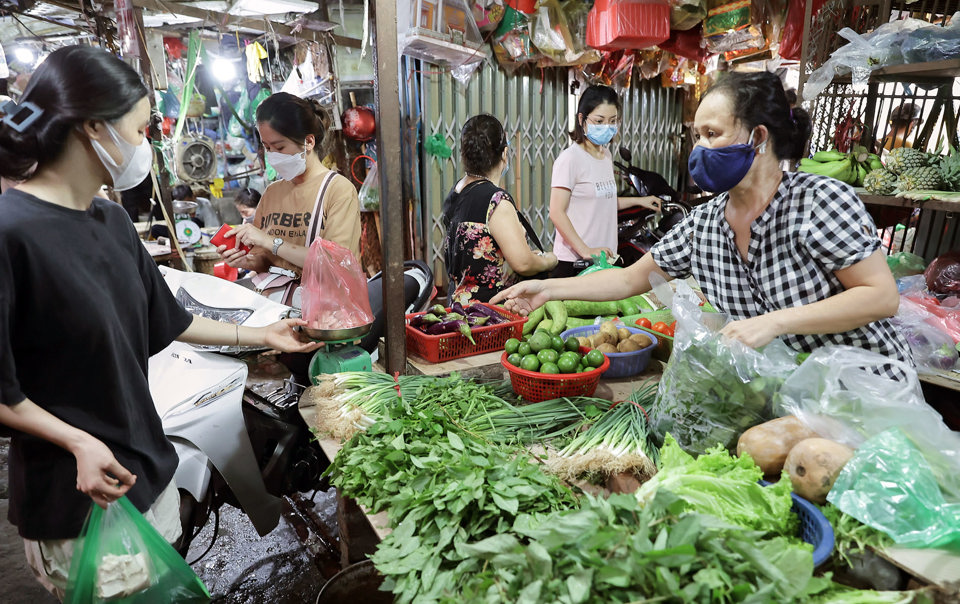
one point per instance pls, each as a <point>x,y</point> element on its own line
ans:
<point>721,169</point>
<point>601,134</point>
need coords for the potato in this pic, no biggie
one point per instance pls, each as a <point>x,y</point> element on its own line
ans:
<point>769,443</point>
<point>623,334</point>
<point>584,341</point>
<point>640,339</point>
<point>607,348</point>
<point>605,337</point>
<point>627,346</point>
<point>595,340</point>
<point>609,327</point>
<point>813,465</point>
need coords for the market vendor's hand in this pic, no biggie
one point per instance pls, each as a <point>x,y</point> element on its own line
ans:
<point>99,474</point>
<point>524,297</point>
<point>755,332</point>
<point>235,257</point>
<point>250,236</point>
<point>283,337</point>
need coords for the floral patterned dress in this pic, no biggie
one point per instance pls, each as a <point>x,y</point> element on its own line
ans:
<point>475,263</point>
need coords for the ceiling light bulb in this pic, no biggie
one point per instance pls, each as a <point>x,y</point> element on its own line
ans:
<point>224,70</point>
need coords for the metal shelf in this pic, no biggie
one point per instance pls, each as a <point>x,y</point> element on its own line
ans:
<point>903,202</point>
<point>945,379</point>
<point>934,72</point>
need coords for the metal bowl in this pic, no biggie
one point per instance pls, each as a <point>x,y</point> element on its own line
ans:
<point>184,207</point>
<point>336,335</point>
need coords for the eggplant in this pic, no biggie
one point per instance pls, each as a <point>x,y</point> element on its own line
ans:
<point>477,321</point>
<point>438,310</point>
<point>438,329</point>
<point>481,310</point>
<point>465,331</point>
<point>417,321</point>
<point>454,316</point>
<point>430,318</point>
<point>456,307</point>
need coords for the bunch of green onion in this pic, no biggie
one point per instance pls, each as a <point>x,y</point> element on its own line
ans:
<point>616,442</point>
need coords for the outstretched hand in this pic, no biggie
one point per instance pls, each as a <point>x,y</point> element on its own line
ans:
<point>755,332</point>
<point>524,297</point>
<point>283,337</point>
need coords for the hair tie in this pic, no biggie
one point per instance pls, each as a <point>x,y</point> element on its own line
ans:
<point>14,114</point>
<point>792,119</point>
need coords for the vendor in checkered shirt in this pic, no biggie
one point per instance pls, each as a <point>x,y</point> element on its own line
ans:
<point>785,254</point>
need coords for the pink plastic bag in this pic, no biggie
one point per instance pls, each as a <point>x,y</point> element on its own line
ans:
<point>334,288</point>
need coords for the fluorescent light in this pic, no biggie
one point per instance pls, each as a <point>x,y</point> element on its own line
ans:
<point>223,69</point>
<point>24,55</point>
<point>248,8</point>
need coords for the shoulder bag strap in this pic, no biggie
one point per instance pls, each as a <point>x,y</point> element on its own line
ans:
<point>529,229</point>
<point>316,220</point>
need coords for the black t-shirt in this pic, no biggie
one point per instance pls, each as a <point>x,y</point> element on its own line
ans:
<point>82,308</point>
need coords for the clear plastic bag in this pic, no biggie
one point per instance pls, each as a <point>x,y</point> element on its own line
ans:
<point>334,288</point>
<point>933,43</point>
<point>370,191</point>
<point>686,14</point>
<point>551,33</point>
<point>932,348</point>
<point>889,485</point>
<point>838,394</point>
<point>120,557</point>
<point>714,387</point>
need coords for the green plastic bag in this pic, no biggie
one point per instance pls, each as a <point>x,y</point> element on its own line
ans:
<point>888,484</point>
<point>121,558</point>
<point>904,264</point>
<point>600,262</point>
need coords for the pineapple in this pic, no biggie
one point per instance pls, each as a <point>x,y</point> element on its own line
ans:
<point>919,178</point>
<point>880,182</point>
<point>950,170</point>
<point>902,159</point>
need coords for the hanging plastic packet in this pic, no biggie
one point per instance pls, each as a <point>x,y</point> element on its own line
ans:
<point>120,557</point>
<point>370,191</point>
<point>551,33</point>
<point>511,40</point>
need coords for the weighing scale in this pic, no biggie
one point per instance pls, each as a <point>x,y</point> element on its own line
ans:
<point>339,352</point>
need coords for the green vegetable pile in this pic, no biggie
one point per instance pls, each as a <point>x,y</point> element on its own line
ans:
<point>713,390</point>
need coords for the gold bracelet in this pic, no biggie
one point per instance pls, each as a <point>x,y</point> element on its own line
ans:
<point>237,331</point>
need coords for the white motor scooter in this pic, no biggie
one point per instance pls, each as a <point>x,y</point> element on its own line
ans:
<point>236,445</point>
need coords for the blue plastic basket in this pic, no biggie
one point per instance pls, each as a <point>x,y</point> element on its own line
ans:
<point>622,364</point>
<point>815,529</point>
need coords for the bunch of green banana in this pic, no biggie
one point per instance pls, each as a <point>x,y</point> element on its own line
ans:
<point>850,168</point>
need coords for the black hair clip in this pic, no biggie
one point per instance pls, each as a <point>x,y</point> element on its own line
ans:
<point>15,117</point>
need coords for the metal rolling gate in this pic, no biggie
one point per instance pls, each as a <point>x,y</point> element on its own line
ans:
<point>535,107</point>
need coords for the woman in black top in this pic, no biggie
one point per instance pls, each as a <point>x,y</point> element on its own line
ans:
<point>486,245</point>
<point>82,305</point>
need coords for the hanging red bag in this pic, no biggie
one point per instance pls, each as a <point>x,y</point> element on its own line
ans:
<point>792,39</point>
<point>628,24</point>
<point>334,288</point>
<point>686,44</point>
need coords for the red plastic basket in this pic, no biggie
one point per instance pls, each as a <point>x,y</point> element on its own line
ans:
<point>449,346</point>
<point>535,387</point>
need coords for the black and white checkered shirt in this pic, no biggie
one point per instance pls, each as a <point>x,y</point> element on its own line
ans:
<point>814,226</point>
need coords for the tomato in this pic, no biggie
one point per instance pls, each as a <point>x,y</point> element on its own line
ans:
<point>644,322</point>
<point>668,331</point>
<point>660,326</point>
<point>673,326</point>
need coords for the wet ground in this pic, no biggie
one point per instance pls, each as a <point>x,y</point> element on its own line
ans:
<point>288,566</point>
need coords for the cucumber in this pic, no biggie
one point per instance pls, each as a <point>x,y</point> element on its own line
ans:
<point>627,307</point>
<point>583,308</point>
<point>642,304</point>
<point>533,319</point>
<point>545,325</point>
<point>557,313</point>
<point>578,322</point>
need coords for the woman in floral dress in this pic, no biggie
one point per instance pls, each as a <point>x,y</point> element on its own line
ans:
<point>486,245</point>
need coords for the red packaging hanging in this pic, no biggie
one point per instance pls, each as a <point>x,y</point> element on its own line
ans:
<point>334,288</point>
<point>633,24</point>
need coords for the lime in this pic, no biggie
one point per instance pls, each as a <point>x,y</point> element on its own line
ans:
<point>511,345</point>
<point>540,341</point>
<point>549,368</point>
<point>530,362</point>
<point>556,342</point>
<point>572,355</point>
<point>514,359</point>
<point>572,344</point>
<point>524,349</point>
<point>594,358</point>
<point>567,364</point>
<point>548,355</point>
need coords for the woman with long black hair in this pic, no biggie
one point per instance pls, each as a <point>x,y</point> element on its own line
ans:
<point>83,307</point>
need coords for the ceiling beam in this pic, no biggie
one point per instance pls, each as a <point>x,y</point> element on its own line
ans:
<point>226,20</point>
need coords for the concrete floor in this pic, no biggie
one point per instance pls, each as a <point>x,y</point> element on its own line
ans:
<point>288,566</point>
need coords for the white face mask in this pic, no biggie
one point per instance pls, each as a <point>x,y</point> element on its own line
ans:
<point>288,167</point>
<point>136,164</point>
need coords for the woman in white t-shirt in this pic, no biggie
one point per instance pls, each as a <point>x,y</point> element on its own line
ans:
<point>583,194</point>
